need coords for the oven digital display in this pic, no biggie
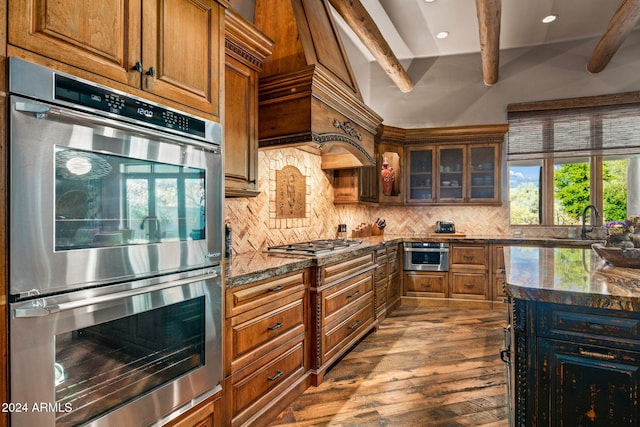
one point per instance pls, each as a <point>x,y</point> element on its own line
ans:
<point>80,93</point>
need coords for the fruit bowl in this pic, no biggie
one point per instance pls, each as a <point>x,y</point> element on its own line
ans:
<point>618,257</point>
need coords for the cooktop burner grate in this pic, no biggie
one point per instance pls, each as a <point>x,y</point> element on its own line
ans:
<point>313,247</point>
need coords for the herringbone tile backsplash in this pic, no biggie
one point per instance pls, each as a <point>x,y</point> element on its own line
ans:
<point>254,227</point>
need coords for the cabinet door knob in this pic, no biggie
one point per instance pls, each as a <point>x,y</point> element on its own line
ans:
<point>137,67</point>
<point>151,72</point>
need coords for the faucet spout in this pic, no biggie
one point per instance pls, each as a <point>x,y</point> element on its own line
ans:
<point>584,220</point>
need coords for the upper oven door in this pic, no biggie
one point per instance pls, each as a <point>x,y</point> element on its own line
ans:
<point>93,200</point>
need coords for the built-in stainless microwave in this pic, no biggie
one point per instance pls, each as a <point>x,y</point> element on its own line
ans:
<point>426,256</point>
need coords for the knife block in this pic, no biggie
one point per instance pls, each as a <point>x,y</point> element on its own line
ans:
<point>375,231</point>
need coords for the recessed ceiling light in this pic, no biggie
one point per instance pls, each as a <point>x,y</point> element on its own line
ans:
<point>442,34</point>
<point>429,1</point>
<point>549,19</point>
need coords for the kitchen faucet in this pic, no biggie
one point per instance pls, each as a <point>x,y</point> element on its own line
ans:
<point>584,219</point>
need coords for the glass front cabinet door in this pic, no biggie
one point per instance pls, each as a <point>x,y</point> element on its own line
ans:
<point>451,183</point>
<point>454,173</point>
<point>484,178</point>
<point>420,179</point>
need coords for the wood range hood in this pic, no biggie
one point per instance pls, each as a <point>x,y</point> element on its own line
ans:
<point>308,96</point>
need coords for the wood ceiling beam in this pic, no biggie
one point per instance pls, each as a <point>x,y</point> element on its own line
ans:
<point>361,23</point>
<point>620,25</point>
<point>489,13</point>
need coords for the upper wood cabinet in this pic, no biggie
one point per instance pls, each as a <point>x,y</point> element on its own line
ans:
<point>455,165</point>
<point>172,49</point>
<point>246,48</point>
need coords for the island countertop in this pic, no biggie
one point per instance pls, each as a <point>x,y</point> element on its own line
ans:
<point>574,276</point>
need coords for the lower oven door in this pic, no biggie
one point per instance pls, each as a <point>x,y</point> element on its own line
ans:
<point>128,354</point>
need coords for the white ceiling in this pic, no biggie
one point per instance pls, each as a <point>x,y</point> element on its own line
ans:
<point>410,26</point>
<point>537,61</point>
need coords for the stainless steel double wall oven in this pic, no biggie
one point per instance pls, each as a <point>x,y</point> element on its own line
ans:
<point>115,245</point>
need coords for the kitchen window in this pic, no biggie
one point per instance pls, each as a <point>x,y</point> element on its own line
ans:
<point>564,156</point>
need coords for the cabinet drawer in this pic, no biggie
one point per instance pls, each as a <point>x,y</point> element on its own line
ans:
<point>380,295</point>
<point>469,285</point>
<point>393,288</point>
<point>381,272</point>
<point>260,294</point>
<point>251,333</point>
<point>274,372</point>
<point>335,272</point>
<point>341,298</point>
<point>425,284</point>
<point>620,328</point>
<point>469,257</point>
<point>335,335</point>
<point>394,265</point>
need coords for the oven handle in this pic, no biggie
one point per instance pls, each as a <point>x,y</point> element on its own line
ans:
<point>425,250</point>
<point>40,308</point>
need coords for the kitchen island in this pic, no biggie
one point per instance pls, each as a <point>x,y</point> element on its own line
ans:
<point>575,341</point>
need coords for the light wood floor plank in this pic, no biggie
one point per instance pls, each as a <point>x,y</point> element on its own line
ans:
<point>424,366</point>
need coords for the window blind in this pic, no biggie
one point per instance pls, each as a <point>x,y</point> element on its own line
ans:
<point>574,132</point>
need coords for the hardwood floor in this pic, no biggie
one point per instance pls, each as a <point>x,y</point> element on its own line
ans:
<point>425,366</point>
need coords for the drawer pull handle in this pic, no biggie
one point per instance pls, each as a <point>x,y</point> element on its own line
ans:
<point>502,271</point>
<point>426,285</point>
<point>276,326</point>
<point>276,376</point>
<point>596,355</point>
<point>468,256</point>
<point>276,289</point>
<point>355,325</point>
<point>596,327</point>
<point>355,294</point>
<point>469,285</point>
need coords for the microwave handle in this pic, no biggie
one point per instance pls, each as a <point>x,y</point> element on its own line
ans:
<point>39,307</point>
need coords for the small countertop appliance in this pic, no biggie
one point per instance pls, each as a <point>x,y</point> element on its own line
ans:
<point>446,227</point>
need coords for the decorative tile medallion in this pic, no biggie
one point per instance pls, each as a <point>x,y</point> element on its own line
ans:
<point>291,188</point>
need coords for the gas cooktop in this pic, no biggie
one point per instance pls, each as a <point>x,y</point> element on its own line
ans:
<point>313,247</point>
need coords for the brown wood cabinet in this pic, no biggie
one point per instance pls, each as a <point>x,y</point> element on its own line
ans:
<point>420,284</point>
<point>394,286</point>
<point>381,282</point>
<point>266,347</point>
<point>469,274</point>
<point>345,185</point>
<point>342,302</point>
<point>172,49</point>
<point>498,273</point>
<point>246,49</point>
<point>206,414</point>
<point>448,173</point>
<point>466,283</point>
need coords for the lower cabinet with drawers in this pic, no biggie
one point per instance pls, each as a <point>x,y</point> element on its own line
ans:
<point>381,283</point>
<point>342,305</point>
<point>575,366</point>
<point>466,283</point>
<point>394,272</point>
<point>266,347</point>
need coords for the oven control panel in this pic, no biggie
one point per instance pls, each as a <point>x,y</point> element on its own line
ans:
<point>99,98</point>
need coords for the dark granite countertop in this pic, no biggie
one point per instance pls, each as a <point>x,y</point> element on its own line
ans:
<point>574,276</point>
<point>253,266</point>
